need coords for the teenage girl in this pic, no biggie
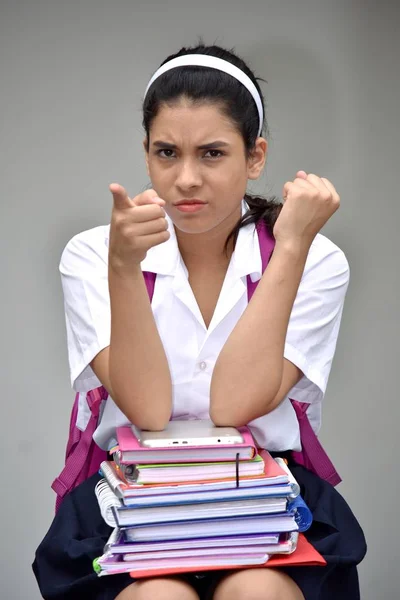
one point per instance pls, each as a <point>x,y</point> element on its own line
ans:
<point>200,349</point>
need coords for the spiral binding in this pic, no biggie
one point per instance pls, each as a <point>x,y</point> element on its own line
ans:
<point>108,502</point>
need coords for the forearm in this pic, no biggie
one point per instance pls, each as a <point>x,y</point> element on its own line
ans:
<point>138,367</point>
<point>248,373</point>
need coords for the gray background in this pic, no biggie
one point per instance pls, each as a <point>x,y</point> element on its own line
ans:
<point>72,78</point>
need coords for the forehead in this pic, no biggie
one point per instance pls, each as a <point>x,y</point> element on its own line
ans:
<point>192,121</point>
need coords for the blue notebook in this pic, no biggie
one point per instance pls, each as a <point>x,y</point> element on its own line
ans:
<point>302,514</point>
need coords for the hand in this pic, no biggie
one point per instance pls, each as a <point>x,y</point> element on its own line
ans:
<point>136,226</point>
<point>309,202</point>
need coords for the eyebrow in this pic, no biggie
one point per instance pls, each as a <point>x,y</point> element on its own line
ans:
<point>210,146</point>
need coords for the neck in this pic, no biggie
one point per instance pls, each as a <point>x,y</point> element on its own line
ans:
<point>208,248</point>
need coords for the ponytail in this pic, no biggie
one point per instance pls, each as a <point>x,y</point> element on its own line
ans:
<point>260,209</point>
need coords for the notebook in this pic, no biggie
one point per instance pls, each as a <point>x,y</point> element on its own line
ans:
<point>282,463</point>
<point>237,493</point>
<point>305,554</point>
<point>212,527</point>
<point>114,564</point>
<point>130,450</point>
<point>192,472</point>
<point>285,547</point>
<point>273,475</point>
<point>302,513</point>
<point>125,486</point>
<point>300,553</point>
<point>116,514</point>
<point>116,545</point>
<point>196,512</point>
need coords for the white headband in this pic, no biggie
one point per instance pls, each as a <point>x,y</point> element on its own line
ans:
<point>203,60</point>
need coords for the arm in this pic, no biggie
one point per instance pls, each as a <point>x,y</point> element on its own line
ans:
<point>134,368</point>
<point>138,370</point>
<point>251,376</point>
<point>112,337</point>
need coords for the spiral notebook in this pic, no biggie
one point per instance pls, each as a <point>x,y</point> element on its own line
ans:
<point>280,523</point>
<point>117,545</point>
<point>234,546</point>
<point>116,514</point>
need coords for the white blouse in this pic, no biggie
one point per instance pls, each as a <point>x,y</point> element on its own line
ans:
<point>190,347</point>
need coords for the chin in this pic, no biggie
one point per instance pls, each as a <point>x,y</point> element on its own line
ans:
<point>192,223</point>
<point>193,227</point>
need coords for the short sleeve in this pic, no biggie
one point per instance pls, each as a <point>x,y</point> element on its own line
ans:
<point>315,318</point>
<point>84,278</point>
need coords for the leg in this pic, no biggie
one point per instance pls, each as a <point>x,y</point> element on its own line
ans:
<point>159,588</point>
<point>257,584</point>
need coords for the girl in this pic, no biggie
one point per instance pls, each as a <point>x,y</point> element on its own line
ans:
<point>200,349</point>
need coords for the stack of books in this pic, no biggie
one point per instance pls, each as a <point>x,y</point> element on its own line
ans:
<point>181,509</point>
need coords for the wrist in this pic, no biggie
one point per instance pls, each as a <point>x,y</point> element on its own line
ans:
<point>294,246</point>
<point>120,271</point>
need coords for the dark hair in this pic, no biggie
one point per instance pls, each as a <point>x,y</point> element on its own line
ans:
<point>201,84</point>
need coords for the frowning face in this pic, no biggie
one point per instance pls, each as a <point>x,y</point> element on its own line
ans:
<point>197,163</point>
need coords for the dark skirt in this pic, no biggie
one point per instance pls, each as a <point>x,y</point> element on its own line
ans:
<point>77,535</point>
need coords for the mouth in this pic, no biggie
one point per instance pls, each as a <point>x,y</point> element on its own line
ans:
<point>186,201</point>
<point>190,206</point>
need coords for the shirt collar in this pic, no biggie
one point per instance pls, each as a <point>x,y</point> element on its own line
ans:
<point>164,258</point>
<point>246,259</point>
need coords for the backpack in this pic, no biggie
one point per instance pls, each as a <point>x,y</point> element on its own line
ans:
<point>83,456</point>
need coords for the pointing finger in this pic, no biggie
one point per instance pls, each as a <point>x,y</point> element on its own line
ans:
<point>120,196</point>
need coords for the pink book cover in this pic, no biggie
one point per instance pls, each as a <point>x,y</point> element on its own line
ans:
<point>128,442</point>
<point>273,473</point>
<point>304,555</point>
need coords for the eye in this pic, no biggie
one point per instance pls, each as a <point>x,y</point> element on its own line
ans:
<point>214,153</point>
<point>168,153</point>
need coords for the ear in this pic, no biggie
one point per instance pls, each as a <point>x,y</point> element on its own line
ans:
<point>257,159</point>
<point>146,155</point>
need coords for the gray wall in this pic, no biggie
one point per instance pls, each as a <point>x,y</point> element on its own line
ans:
<point>72,76</point>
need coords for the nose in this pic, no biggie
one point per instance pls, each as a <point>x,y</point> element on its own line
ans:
<point>189,175</point>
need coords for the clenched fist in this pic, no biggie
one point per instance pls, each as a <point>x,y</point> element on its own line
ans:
<point>309,202</point>
<point>137,225</point>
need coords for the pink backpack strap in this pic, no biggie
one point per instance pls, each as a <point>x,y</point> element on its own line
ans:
<point>83,456</point>
<point>79,445</point>
<point>150,281</point>
<point>312,455</point>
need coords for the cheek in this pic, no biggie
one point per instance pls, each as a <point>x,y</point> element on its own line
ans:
<point>161,173</point>
<point>234,180</point>
<point>157,177</point>
<point>151,169</point>
<point>227,175</point>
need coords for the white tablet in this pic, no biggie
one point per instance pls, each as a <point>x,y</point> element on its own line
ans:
<point>188,433</point>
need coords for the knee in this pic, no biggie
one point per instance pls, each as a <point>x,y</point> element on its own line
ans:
<point>159,588</point>
<point>257,584</point>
